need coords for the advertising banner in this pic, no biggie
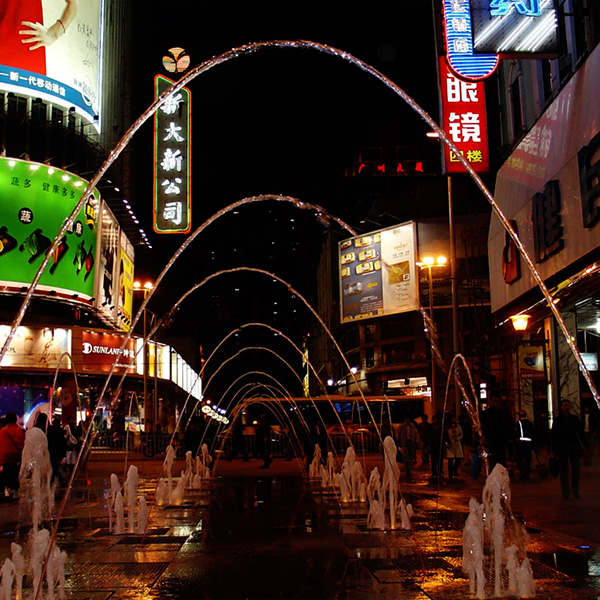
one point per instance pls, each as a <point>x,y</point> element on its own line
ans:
<point>531,362</point>
<point>126,269</point>
<point>464,121</point>
<point>57,58</point>
<point>100,350</point>
<point>41,348</point>
<point>172,157</point>
<point>377,273</point>
<point>108,272</point>
<point>35,200</point>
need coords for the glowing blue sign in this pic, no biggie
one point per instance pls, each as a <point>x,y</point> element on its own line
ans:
<point>529,8</point>
<point>459,43</point>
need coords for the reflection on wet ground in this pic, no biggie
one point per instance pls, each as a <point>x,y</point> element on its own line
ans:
<point>278,535</point>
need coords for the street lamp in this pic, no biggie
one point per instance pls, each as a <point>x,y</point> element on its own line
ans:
<point>429,263</point>
<point>145,288</point>
<point>520,322</point>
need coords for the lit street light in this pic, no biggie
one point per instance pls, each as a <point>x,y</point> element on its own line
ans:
<point>429,263</point>
<point>148,406</point>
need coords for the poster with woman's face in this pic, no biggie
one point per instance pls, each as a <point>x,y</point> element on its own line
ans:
<point>63,69</point>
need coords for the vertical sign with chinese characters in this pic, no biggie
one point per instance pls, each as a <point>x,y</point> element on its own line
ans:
<point>464,121</point>
<point>172,160</point>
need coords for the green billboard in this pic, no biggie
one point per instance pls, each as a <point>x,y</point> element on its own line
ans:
<point>35,201</point>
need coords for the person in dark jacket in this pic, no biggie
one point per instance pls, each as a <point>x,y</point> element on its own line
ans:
<point>57,448</point>
<point>567,441</point>
<point>524,440</point>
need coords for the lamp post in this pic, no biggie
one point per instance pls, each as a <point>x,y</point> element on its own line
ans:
<point>145,288</point>
<point>429,263</point>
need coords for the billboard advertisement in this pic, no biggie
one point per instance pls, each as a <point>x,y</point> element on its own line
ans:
<point>377,273</point>
<point>531,362</point>
<point>108,261</point>
<point>50,49</point>
<point>35,200</point>
<point>114,287</point>
<point>172,157</point>
<point>125,304</point>
<point>37,347</point>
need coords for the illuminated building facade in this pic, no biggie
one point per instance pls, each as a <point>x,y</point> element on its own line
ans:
<point>548,187</point>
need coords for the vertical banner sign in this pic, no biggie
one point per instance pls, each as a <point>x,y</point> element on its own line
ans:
<point>464,121</point>
<point>172,165</point>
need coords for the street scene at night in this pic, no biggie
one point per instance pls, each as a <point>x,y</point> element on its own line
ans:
<point>299,300</point>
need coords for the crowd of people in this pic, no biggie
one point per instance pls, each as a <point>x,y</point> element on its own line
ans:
<point>500,439</point>
<point>64,443</point>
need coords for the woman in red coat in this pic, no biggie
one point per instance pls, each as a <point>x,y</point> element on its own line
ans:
<point>12,440</point>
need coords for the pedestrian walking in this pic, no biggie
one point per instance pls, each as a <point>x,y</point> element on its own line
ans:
<point>524,440</point>
<point>408,440</point>
<point>263,440</point>
<point>567,441</point>
<point>425,439</point>
<point>454,448</point>
<point>57,449</point>
<point>12,440</point>
<point>497,429</point>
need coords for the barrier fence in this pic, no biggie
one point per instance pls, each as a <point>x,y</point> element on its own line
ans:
<point>151,445</point>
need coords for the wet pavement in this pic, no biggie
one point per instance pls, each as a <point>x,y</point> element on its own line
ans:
<point>259,534</point>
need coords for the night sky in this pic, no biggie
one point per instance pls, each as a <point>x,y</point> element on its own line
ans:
<point>278,121</point>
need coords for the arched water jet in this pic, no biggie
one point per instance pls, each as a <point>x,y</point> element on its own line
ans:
<point>269,389</point>
<point>317,378</point>
<point>304,44</point>
<point>247,49</point>
<point>248,401</point>
<point>307,304</point>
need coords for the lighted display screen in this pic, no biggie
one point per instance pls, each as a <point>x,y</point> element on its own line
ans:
<point>65,68</point>
<point>35,200</point>
<point>172,148</point>
<point>377,273</point>
<point>507,27</point>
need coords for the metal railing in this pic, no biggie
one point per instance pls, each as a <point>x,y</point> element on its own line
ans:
<point>151,445</point>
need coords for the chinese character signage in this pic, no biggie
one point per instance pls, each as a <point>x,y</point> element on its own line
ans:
<point>35,200</point>
<point>65,72</point>
<point>515,27</point>
<point>377,273</point>
<point>172,148</point>
<point>459,43</point>
<point>464,121</point>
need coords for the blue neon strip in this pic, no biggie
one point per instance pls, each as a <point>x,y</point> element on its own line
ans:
<point>459,43</point>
